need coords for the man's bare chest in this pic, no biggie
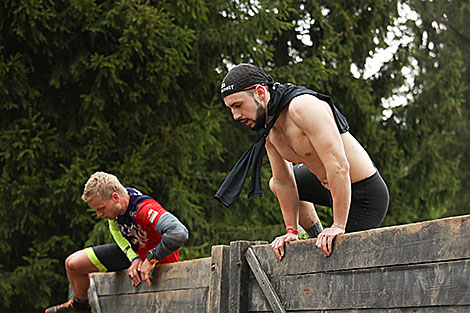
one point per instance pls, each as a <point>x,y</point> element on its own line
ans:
<point>294,146</point>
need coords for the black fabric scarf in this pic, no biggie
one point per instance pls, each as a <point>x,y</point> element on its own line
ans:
<point>281,96</point>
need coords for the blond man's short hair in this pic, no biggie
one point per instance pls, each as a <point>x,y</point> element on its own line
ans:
<point>103,185</point>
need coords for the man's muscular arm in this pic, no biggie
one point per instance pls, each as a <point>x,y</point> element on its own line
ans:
<point>284,186</point>
<point>314,118</point>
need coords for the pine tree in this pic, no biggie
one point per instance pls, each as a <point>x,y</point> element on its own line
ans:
<point>132,88</point>
<point>128,87</point>
<point>444,61</point>
<point>77,94</point>
<point>428,177</point>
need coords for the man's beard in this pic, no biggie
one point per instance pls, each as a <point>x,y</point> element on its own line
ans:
<point>260,121</point>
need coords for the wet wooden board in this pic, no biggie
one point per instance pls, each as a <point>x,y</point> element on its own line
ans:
<point>418,265</point>
<point>434,309</point>
<point>264,282</point>
<point>433,284</point>
<point>173,301</point>
<point>431,241</point>
<point>182,275</point>
<point>421,267</point>
<point>219,284</point>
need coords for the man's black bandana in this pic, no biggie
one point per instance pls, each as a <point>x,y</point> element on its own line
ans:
<point>244,77</point>
<point>281,96</point>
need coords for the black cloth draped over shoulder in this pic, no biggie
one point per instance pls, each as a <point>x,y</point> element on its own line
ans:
<point>281,96</point>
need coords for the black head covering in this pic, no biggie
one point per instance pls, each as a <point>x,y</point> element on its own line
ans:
<point>244,77</point>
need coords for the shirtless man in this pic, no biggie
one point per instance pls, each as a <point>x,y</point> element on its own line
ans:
<point>333,169</point>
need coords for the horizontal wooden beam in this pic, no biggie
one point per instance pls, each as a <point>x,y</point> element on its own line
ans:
<point>177,276</point>
<point>420,267</point>
<point>431,241</point>
<point>432,284</point>
<point>172,301</point>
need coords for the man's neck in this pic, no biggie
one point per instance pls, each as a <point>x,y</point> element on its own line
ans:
<point>266,101</point>
<point>125,204</point>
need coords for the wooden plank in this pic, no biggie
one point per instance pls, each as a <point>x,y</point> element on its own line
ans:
<point>434,309</point>
<point>219,282</point>
<point>421,267</point>
<point>407,286</point>
<point>93,296</point>
<point>175,276</point>
<point>172,301</point>
<point>263,282</point>
<point>439,240</point>
<point>239,274</point>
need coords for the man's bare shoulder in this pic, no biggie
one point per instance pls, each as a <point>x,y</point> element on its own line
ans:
<point>307,107</point>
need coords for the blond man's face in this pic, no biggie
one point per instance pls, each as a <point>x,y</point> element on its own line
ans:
<point>108,209</point>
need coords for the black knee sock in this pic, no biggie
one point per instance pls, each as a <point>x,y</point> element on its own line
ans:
<point>314,230</point>
<point>80,303</point>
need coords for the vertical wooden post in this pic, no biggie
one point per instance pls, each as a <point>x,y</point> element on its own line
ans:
<point>219,281</point>
<point>239,274</point>
<point>94,296</point>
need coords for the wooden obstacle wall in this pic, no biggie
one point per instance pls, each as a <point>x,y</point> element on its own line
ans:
<point>421,267</point>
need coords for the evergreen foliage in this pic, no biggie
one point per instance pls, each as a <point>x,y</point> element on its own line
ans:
<point>132,88</point>
<point>429,175</point>
<point>128,87</point>
<point>443,44</point>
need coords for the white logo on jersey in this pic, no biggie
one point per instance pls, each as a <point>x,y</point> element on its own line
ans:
<point>142,235</point>
<point>152,215</point>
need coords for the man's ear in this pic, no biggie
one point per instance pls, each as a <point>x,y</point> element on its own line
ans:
<point>116,197</point>
<point>260,91</point>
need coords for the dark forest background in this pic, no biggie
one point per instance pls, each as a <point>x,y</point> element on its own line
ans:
<point>132,88</point>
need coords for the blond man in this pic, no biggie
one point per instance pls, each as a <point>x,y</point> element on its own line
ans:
<point>145,234</point>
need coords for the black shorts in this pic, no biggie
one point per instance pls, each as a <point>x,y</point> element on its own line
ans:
<point>108,258</point>
<point>369,198</point>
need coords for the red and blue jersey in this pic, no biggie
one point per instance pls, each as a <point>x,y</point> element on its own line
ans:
<point>138,225</point>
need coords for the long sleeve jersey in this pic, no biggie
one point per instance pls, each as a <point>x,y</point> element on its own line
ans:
<point>145,226</point>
